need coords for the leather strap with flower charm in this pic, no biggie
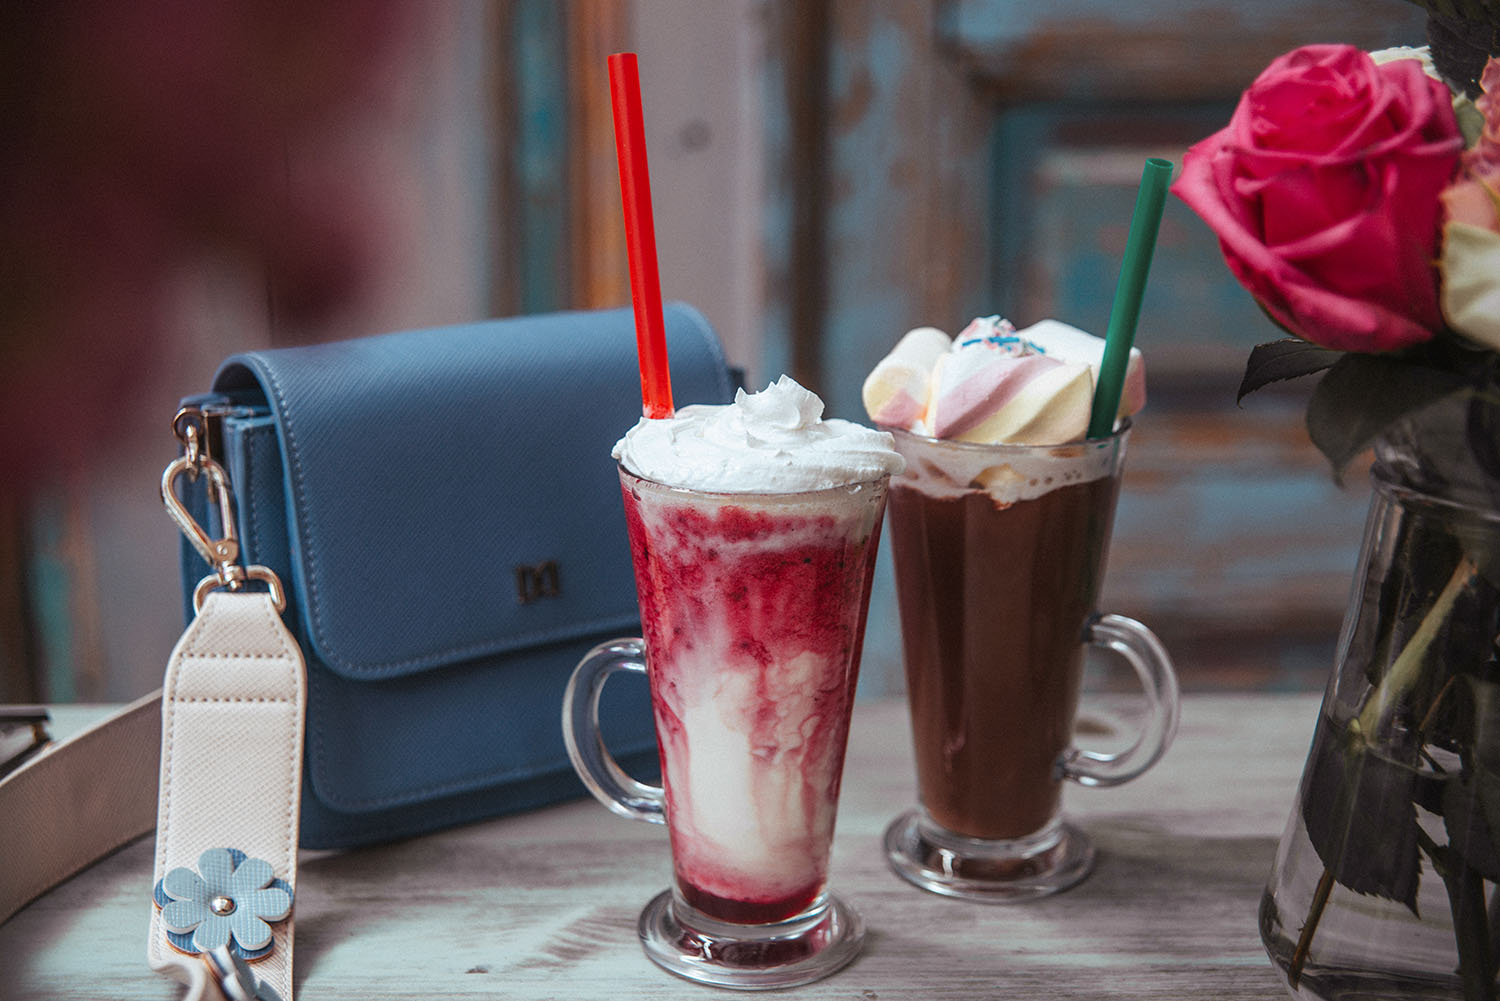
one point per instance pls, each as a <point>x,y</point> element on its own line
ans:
<point>233,706</point>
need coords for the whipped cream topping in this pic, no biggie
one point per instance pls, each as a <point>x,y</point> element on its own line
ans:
<point>993,384</point>
<point>774,441</point>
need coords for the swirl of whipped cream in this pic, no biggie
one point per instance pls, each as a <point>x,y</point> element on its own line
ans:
<point>774,442</point>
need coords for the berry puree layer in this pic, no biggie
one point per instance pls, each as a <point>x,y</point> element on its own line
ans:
<point>753,610</point>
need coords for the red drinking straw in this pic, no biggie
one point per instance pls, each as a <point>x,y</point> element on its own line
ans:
<point>640,236</point>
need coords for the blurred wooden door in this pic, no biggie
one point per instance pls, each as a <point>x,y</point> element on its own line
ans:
<point>924,161</point>
<point>982,156</point>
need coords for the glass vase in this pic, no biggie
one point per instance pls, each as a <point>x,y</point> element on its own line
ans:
<point>1384,880</point>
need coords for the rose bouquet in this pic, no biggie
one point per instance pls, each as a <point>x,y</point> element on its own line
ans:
<point>1356,196</point>
<point>1346,202</point>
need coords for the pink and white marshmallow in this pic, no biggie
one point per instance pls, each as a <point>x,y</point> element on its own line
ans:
<point>996,384</point>
<point>896,390</point>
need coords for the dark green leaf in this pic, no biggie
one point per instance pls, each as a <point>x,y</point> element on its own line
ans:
<point>1482,429</point>
<point>1358,810</point>
<point>1480,537</point>
<point>1485,743</point>
<point>1467,801</point>
<point>1362,395</point>
<point>1451,449</point>
<point>1428,791</point>
<point>1465,641</point>
<point>1286,359</point>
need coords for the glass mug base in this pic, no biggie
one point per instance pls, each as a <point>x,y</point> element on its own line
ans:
<point>1052,860</point>
<point>805,947</point>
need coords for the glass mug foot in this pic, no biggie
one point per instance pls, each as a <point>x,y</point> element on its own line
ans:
<point>803,948</point>
<point>925,855</point>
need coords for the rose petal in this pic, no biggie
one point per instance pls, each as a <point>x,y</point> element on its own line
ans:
<point>1471,282</point>
<point>1323,191</point>
<point>1469,202</point>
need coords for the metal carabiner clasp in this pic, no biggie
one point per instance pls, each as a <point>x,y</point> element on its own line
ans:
<point>234,979</point>
<point>223,552</point>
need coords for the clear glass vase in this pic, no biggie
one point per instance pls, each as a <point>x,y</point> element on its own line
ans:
<point>1384,884</point>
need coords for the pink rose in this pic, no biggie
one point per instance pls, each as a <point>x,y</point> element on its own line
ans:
<point>1323,190</point>
<point>1473,194</point>
<point>1486,151</point>
<point>1472,201</point>
<point>1471,236</point>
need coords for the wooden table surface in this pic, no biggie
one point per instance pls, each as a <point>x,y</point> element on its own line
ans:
<point>544,905</point>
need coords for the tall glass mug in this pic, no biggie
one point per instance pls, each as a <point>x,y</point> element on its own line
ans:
<point>753,609</point>
<point>999,554</point>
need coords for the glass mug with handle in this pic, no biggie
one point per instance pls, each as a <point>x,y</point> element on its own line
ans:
<point>999,553</point>
<point>753,610</point>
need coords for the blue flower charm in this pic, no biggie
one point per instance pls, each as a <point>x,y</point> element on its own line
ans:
<point>228,901</point>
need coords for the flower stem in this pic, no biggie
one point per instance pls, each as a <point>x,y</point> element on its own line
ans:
<point>1403,675</point>
<point>1304,940</point>
<point>1471,926</point>
<point>1407,667</point>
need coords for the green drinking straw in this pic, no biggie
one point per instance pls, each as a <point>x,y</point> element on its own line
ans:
<point>1126,309</point>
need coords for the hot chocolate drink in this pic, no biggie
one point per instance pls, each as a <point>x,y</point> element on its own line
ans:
<point>993,605</point>
<point>999,526</point>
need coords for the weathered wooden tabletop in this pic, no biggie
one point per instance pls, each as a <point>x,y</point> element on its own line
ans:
<point>544,905</point>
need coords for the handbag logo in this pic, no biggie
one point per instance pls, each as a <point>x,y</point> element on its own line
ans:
<point>536,582</point>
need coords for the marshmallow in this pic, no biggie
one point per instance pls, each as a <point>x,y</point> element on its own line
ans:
<point>896,391</point>
<point>1047,404</point>
<point>994,384</point>
<point>1060,340</point>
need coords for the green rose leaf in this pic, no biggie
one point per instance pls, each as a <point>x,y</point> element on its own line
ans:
<point>1358,810</point>
<point>1277,361</point>
<point>1480,541</point>
<point>1468,802</point>
<point>1451,449</point>
<point>1362,395</point>
<point>1485,702</point>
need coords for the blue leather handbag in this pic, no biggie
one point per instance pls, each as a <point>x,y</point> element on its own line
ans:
<point>443,512</point>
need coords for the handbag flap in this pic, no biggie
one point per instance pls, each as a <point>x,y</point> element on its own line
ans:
<point>450,492</point>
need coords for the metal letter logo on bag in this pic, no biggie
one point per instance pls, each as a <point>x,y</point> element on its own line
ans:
<point>535,582</point>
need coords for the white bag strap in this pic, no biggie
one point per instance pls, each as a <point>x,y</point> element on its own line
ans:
<point>232,723</point>
<point>74,801</point>
<point>233,705</point>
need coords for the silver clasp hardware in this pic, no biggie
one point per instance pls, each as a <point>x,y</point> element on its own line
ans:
<point>222,553</point>
<point>233,977</point>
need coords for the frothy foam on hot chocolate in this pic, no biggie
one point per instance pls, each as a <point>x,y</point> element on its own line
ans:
<point>1008,474</point>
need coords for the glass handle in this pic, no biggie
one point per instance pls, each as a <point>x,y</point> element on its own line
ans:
<point>580,722</point>
<point>1144,652</point>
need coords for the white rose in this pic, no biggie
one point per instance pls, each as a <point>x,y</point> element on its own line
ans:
<point>1471,282</point>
